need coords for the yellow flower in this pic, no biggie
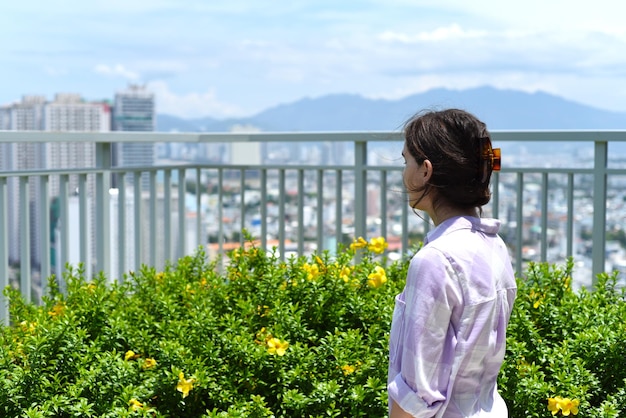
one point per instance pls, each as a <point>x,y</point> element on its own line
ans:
<point>262,336</point>
<point>565,405</point>
<point>135,404</point>
<point>553,405</point>
<point>184,385</point>
<point>345,273</point>
<point>537,297</point>
<point>567,282</point>
<point>358,243</point>
<point>569,406</point>
<point>348,369</point>
<point>262,310</point>
<point>319,261</point>
<point>130,355</point>
<point>377,245</point>
<point>312,270</point>
<point>57,310</point>
<point>276,346</point>
<point>149,363</point>
<point>377,278</point>
<point>28,326</point>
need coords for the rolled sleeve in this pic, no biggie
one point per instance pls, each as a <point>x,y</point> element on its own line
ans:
<point>410,401</point>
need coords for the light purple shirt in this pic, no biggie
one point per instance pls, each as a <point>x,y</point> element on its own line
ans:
<point>448,334</point>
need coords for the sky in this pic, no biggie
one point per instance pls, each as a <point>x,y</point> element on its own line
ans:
<point>235,58</point>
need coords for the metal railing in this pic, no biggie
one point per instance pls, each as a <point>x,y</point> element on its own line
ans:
<point>321,190</point>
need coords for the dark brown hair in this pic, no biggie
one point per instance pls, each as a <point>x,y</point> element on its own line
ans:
<point>452,140</point>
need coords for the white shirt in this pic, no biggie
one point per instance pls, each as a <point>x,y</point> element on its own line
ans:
<point>448,334</point>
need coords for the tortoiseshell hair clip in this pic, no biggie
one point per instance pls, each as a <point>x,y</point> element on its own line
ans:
<point>492,159</point>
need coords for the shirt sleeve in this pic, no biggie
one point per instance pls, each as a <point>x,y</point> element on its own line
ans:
<point>426,342</point>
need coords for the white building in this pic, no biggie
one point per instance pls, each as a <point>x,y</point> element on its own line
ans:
<point>27,115</point>
<point>134,111</point>
<point>138,231</point>
<point>5,118</point>
<point>68,112</point>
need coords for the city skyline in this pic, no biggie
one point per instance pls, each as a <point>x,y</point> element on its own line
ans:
<point>238,58</point>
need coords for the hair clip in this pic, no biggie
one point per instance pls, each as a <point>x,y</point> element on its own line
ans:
<point>492,159</point>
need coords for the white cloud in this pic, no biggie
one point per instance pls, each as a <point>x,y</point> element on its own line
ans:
<point>190,105</point>
<point>444,33</point>
<point>117,70</point>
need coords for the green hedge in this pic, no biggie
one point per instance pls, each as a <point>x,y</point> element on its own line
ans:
<point>566,344</point>
<point>302,338</point>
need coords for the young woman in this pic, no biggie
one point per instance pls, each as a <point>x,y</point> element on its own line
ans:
<point>448,333</point>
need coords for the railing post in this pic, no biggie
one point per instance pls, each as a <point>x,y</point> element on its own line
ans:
<point>320,212</point>
<point>182,235</point>
<point>4,251</point>
<point>220,215</point>
<point>281,214</point>
<point>152,216</point>
<point>138,221</point>
<point>167,216</point>
<point>121,226</point>
<point>200,241</point>
<point>360,189</point>
<point>519,219</point>
<point>242,197</point>
<point>300,211</point>
<point>383,204</point>
<point>495,195</point>
<point>62,242</point>
<point>263,209</point>
<point>338,209</point>
<point>570,215</point>
<point>599,209</point>
<point>103,218</point>
<point>83,222</point>
<point>25,254</point>
<point>44,245</point>
<point>544,217</point>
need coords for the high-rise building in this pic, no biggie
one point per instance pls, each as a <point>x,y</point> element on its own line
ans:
<point>134,111</point>
<point>68,112</point>
<point>5,118</point>
<point>27,115</point>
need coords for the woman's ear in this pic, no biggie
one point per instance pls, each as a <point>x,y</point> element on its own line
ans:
<point>428,170</point>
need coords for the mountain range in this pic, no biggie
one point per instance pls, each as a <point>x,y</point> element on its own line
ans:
<point>499,109</point>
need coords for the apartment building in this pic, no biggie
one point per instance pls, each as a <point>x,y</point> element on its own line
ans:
<point>68,112</point>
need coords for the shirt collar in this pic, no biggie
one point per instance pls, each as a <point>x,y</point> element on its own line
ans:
<point>488,226</point>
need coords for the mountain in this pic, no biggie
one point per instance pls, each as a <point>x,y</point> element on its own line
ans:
<point>499,109</point>
<point>169,123</point>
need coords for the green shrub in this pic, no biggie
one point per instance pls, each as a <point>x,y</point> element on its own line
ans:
<point>565,344</point>
<point>303,337</point>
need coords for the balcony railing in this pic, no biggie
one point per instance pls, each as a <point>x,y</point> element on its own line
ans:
<point>558,195</point>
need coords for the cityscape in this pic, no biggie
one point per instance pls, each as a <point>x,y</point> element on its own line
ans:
<point>133,109</point>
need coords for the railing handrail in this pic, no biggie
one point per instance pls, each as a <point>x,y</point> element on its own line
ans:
<point>548,135</point>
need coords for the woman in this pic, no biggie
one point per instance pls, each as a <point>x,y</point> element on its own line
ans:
<point>448,333</point>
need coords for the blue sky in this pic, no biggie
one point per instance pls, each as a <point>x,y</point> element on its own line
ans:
<point>229,58</point>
